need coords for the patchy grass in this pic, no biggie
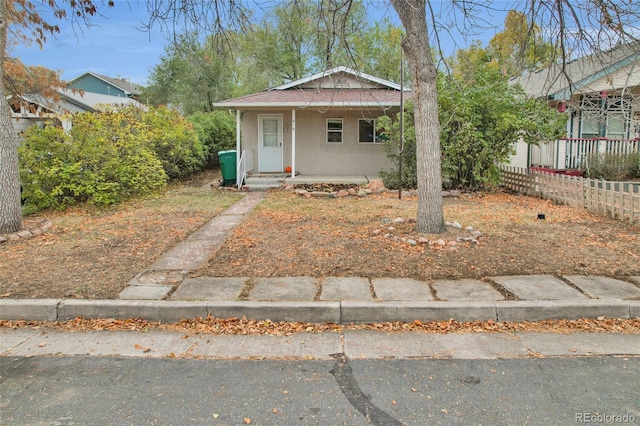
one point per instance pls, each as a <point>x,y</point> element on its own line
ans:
<point>92,253</point>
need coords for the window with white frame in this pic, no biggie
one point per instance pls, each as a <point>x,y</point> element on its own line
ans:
<point>334,130</point>
<point>367,131</point>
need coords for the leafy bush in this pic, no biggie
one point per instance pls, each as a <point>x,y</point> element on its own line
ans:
<point>478,124</point>
<point>100,161</point>
<point>174,141</point>
<point>481,120</point>
<point>216,131</point>
<point>390,132</point>
<point>615,167</point>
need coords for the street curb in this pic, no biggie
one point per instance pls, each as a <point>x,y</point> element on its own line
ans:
<point>335,312</point>
<point>29,309</point>
<point>319,312</point>
<point>363,312</point>
<point>563,309</point>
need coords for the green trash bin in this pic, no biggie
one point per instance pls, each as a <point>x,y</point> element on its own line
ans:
<point>228,167</point>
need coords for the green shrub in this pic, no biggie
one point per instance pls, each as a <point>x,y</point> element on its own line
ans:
<point>478,124</point>
<point>174,141</point>
<point>615,167</point>
<point>216,131</point>
<point>390,132</point>
<point>102,160</point>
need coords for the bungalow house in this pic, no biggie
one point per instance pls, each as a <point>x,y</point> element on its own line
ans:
<point>600,96</point>
<point>34,108</point>
<point>96,83</point>
<point>323,124</point>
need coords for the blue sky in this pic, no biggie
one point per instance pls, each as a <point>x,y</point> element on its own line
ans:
<point>116,47</point>
<point>113,45</point>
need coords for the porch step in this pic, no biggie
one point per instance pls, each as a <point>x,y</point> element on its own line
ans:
<point>262,183</point>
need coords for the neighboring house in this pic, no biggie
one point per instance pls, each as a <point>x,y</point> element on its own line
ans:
<point>600,95</point>
<point>323,124</point>
<point>96,83</point>
<point>34,108</point>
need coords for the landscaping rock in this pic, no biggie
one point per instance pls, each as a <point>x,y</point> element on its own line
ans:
<point>398,220</point>
<point>375,184</point>
<point>441,242</point>
<point>3,239</point>
<point>422,241</point>
<point>412,242</point>
<point>319,194</point>
<point>455,193</point>
<point>456,225</point>
<point>342,193</point>
<point>25,234</point>
<point>45,225</point>
<point>362,194</point>
<point>352,191</point>
<point>301,191</point>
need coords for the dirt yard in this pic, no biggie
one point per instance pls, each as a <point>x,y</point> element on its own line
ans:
<point>288,235</point>
<point>91,253</point>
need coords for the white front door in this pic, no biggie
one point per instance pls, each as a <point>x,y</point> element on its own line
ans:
<point>270,142</point>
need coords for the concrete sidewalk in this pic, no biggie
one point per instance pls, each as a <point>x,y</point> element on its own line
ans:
<point>358,344</point>
<point>165,293</point>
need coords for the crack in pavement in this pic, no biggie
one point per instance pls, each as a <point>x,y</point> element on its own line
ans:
<point>344,376</point>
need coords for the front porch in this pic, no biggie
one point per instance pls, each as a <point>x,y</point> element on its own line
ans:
<point>571,153</point>
<point>266,181</point>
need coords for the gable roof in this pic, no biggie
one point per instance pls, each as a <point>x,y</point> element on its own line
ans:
<point>558,82</point>
<point>334,88</point>
<point>79,102</point>
<point>127,87</point>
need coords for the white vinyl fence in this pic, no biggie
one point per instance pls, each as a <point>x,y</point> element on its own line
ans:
<point>619,200</point>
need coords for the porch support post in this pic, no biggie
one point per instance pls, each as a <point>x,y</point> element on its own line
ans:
<point>239,178</point>
<point>238,121</point>
<point>293,144</point>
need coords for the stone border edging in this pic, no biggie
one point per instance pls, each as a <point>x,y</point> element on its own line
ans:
<point>23,234</point>
<point>344,312</point>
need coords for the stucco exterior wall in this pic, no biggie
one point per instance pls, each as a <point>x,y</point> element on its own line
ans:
<point>314,155</point>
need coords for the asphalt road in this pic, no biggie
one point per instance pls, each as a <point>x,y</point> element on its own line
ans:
<point>91,390</point>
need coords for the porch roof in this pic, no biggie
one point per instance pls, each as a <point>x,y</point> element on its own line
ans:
<point>309,98</point>
<point>339,87</point>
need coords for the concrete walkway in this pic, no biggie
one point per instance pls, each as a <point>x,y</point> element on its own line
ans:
<point>163,292</point>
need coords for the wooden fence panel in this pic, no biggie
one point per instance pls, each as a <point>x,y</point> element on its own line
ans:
<point>618,200</point>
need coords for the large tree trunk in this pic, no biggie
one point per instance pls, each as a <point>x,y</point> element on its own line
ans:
<point>10,208</point>
<point>412,13</point>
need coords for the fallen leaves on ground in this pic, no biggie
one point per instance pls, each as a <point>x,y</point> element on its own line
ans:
<point>289,235</point>
<point>244,326</point>
<point>92,253</point>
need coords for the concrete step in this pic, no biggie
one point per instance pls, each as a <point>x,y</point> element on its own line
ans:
<point>262,183</point>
